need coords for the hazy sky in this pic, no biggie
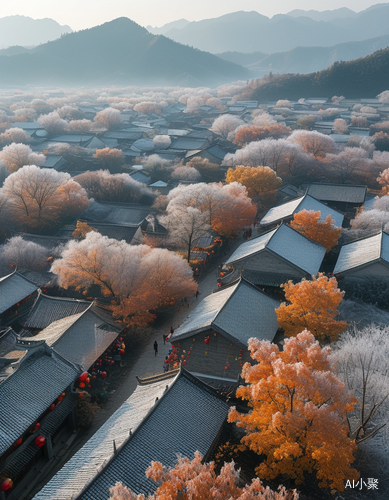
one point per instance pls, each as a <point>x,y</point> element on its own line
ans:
<point>79,14</point>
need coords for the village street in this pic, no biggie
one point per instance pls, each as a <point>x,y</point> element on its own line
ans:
<point>146,364</point>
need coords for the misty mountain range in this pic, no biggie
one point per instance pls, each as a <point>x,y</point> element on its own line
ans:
<point>121,51</point>
<point>117,52</point>
<point>305,59</point>
<point>251,31</point>
<point>25,31</point>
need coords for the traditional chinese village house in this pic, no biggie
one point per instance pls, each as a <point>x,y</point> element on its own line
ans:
<point>367,257</point>
<point>82,337</point>
<point>277,256</point>
<point>16,293</point>
<point>37,402</point>
<point>212,341</point>
<point>286,211</point>
<point>346,198</point>
<point>167,414</point>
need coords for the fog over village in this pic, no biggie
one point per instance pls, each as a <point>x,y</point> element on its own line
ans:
<point>194,251</point>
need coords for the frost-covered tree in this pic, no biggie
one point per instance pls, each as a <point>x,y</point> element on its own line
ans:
<point>340,126</point>
<point>227,209</point>
<point>349,163</point>
<point>329,113</point>
<point>384,96</point>
<point>267,153</point>
<point>17,155</point>
<point>362,363</point>
<point>79,125</point>
<point>109,118</point>
<point>110,158</point>
<point>225,124</point>
<point>283,103</point>
<point>186,173</point>
<point>70,112</point>
<point>15,134</point>
<point>23,254</point>
<point>195,480</point>
<point>162,141</point>
<point>53,123</point>
<point>138,279</point>
<point>40,196</point>
<point>104,186</point>
<point>209,171</point>
<point>313,142</point>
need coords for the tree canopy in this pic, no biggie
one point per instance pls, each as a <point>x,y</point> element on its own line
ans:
<point>312,305</point>
<point>138,279</point>
<point>195,480</point>
<point>307,222</point>
<point>298,412</point>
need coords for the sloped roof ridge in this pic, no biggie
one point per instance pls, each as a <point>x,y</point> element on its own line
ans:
<point>240,281</point>
<point>312,241</point>
<point>323,203</point>
<point>67,299</point>
<point>181,373</point>
<point>361,238</point>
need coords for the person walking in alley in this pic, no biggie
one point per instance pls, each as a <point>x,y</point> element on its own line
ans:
<point>156,348</point>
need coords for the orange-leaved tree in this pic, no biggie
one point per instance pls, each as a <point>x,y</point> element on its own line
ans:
<point>312,305</point>
<point>307,222</point>
<point>82,229</point>
<point>138,279</point>
<point>252,133</point>
<point>298,412</point>
<point>257,180</point>
<point>194,480</point>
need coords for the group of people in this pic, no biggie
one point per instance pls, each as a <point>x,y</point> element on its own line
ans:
<point>165,338</point>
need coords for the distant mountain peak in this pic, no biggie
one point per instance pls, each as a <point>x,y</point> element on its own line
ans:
<point>26,31</point>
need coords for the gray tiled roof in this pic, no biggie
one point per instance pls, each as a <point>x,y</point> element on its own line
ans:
<point>362,252</point>
<point>40,378</point>
<point>241,311</point>
<point>187,418</point>
<point>85,464</point>
<point>46,310</point>
<point>14,288</point>
<point>80,338</point>
<point>338,192</point>
<point>112,213</point>
<point>306,202</point>
<point>189,143</point>
<point>288,244</point>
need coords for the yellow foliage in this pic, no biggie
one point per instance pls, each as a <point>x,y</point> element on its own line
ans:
<point>257,180</point>
<point>312,305</point>
<point>308,224</point>
<point>298,412</point>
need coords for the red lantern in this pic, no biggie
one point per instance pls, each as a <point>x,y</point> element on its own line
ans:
<point>104,375</point>
<point>40,441</point>
<point>60,398</point>
<point>82,385</point>
<point>182,356</point>
<point>52,407</point>
<point>87,380</point>
<point>120,338</point>
<point>184,362</point>
<point>122,351</point>
<point>37,427</point>
<point>206,340</point>
<point>19,442</point>
<point>83,377</point>
<point>225,367</point>
<point>6,484</point>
